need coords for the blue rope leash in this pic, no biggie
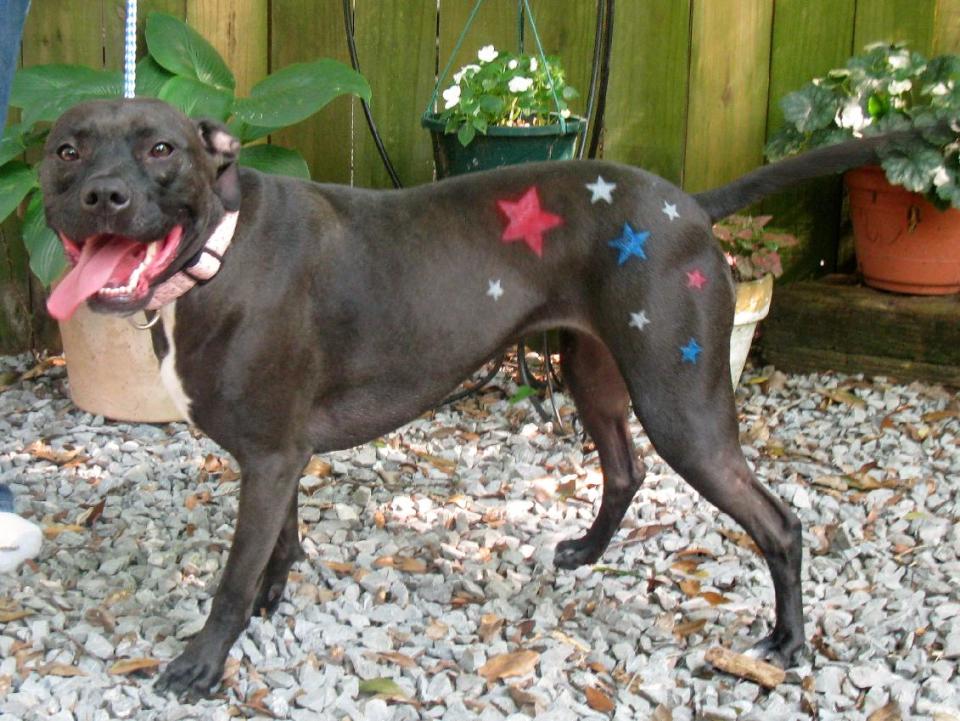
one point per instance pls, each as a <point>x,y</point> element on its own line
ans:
<point>130,51</point>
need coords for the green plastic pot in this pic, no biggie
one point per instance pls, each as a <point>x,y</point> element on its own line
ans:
<point>500,146</point>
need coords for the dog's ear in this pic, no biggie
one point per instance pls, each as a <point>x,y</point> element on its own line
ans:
<point>224,149</point>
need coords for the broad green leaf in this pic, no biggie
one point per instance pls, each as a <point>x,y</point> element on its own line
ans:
<point>466,134</point>
<point>11,145</point>
<point>151,77</point>
<point>46,253</point>
<point>276,160</point>
<point>44,92</point>
<point>247,133</point>
<point>523,392</point>
<point>16,180</point>
<point>183,51</point>
<point>914,170</point>
<point>811,108</point>
<point>196,99</point>
<point>298,91</point>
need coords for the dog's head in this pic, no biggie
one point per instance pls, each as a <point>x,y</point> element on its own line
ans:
<point>133,188</point>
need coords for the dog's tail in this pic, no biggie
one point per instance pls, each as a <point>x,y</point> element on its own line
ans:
<point>770,179</point>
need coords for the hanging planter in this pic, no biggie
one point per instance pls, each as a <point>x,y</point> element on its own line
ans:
<point>503,109</point>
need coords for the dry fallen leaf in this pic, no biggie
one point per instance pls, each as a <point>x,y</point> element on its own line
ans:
<point>598,700</point>
<point>134,665</point>
<point>39,449</point>
<point>690,586</point>
<point>522,697</point>
<point>400,659</point>
<point>838,396</point>
<point>688,628</point>
<point>714,598</point>
<point>344,569</point>
<point>318,467</point>
<point>62,670</point>
<point>92,514</point>
<point>490,626</point>
<point>889,712</point>
<point>11,616</point>
<point>436,630</point>
<point>52,532</point>
<point>505,665</point>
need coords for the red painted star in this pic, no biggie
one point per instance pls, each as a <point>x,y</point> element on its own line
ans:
<point>696,279</point>
<point>526,221</point>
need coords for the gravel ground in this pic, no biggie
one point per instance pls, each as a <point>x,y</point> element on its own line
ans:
<point>429,563</point>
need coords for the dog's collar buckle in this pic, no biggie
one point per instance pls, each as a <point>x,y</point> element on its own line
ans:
<point>204,267</point>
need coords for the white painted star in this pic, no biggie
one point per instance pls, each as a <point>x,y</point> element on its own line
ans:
<point>495,290</point>
<point>639,320</point>
<point>670,210</point>
<point>602,190</point>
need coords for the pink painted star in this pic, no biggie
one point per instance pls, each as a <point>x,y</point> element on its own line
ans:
<point>526,221</point>
<point>696,279</point>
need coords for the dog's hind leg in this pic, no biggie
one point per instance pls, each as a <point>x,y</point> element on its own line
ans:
<point>602,401</point>
<point>287,552</point>
<point>267,488</point>
<point>677,370</point>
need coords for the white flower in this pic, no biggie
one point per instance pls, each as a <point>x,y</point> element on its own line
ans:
<point>939,89</point>
<point>941,177</point>
<point>487,54</point>
<point>512,65</point>
<point>463,71</point>
<point>900,60</point>
<point>897,87</point>
<point>519,84</point>
<point>565,113</point>
<point>451,96</point>
<point>851,116</point>
<point>533,65</point>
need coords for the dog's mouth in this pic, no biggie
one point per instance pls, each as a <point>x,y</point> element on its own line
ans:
<point>113,269</point>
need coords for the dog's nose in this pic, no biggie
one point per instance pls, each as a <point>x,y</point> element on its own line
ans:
<point>106,196</point>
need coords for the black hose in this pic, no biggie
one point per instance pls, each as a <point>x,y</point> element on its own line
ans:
<point>604,77</point>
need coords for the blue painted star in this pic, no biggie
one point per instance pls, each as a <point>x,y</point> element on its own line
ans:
<point>690,351</point>
<point>630,243</point>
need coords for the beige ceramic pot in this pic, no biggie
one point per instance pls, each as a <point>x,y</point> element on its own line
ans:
<point>112,369</point>
<point>753,304</point>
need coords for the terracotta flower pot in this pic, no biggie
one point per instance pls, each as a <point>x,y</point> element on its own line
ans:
<point>903,243</point>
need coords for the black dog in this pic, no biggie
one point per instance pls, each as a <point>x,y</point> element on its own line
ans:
<point>339,314</point>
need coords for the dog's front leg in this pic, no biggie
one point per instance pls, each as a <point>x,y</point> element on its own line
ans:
<point>267,488</point>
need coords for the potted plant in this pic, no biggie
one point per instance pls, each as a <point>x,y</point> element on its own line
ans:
<point>110,364</point>
<point>906,234</point>
<point>504,109</point>
<point>753,253</point>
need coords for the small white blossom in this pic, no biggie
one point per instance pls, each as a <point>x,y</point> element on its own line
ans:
<point>457,76</point>
<point>898,87</point>
<point>900,60</point>
<point>512,65</point>
<point>939,89</point>
<point>519,84</point>
<point>851,116</point>
<point>451,96</point>
<point>487,54</point>
<point>533,65</point>
<point>565,113</point>
<point>941,177</point>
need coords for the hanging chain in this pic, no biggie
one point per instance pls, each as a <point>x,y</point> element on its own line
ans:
<point>130,51</point>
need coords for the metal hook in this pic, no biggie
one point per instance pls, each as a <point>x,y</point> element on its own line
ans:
<point>149,324</point>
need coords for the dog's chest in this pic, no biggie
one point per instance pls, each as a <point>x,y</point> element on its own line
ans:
<point>168,365</point>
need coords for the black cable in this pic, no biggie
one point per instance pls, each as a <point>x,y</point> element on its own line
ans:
<point>355,63</point>
<point>604,79</point>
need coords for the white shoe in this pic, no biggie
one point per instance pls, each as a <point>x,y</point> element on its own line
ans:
<point>19,540</point>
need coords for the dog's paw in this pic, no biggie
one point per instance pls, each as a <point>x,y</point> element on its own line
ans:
<point>190,679</point>
<point>268,600</point>
<point>575,552</point>
<point>780,649</point>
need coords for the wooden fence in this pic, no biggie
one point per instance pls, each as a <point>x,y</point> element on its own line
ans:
<point>694,84</point>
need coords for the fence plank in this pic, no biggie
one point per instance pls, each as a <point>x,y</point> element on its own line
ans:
<point>908,21</point>
<point>647,97</point>
<point>238,30</point>
<point>801,51</point>
<point>946,27</point>
<point>730,55</point>
<point>305,30</point>
<point>496,24</point>
<point>402,34</point>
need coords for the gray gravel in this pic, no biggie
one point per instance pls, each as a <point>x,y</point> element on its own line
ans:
<point>429,555</point>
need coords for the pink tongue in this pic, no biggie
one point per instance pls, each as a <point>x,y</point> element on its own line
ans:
<point>90,274</point>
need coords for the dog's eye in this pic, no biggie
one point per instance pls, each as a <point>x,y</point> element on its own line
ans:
<point>68,152</point>
<point>161,150</point>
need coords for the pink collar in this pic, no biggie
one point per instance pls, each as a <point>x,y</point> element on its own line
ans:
<point>206,266</point>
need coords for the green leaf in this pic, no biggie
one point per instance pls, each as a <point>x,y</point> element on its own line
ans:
<point>276,160</point>
<point>809,109</point>
<point>183,51</point>
<point>381,686</point>
<point>298,91</point>
<point>151,77</point>
<point>16,180</point>
<point>196,99</point>
<point>247,133</point>
<point>523,392</point>
<point>913,169</point>
<point>44,92</point>
<point>466,134</point>
<point>46,252</point>
<point>12,144</point>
